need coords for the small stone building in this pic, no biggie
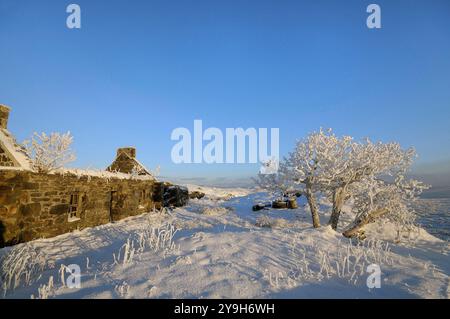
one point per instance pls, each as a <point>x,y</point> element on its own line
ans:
<point>36,205</point>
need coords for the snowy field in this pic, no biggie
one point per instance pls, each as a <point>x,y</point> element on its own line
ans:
<point>217,247</point>
<point>434,216</point>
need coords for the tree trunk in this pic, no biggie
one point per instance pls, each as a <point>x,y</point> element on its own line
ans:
<point>356,227</point>
<point>338,201</point>
<point>313,206</point>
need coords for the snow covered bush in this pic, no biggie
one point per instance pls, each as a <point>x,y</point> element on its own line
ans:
<point>378,199</point>
<point>364,161</point>
<point>49,152</point>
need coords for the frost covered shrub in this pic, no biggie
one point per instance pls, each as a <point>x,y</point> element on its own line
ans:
<point>394,202</point>
<point>215,211</point>
<point>49,152</point>
<point>266,221</point>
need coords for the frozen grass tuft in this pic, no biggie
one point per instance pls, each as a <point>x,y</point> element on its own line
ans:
<point>266,221</point>
<point>126,253</point>
<point>46,290</point>
<point>122,289</point>
<point>215,211</point>
<point>22,265</point>
<point>157,239</point>
<point>348,261</point>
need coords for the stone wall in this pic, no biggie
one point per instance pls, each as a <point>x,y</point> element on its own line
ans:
<point>4,159</point>
<point>4,114</point>
<point>36,205</point>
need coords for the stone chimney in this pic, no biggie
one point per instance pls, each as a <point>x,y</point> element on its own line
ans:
<point>4,115</point>
<point>130,151</point>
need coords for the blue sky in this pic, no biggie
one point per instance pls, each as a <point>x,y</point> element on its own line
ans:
<point>136,70</point>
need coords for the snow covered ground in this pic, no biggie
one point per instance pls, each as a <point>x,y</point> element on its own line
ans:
<point>213,249</point>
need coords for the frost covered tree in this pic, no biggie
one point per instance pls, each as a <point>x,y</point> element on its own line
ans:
<point>314,164</point>
<point>49,152</point>
<point>311,167</point>
<point>376,199</point>
<point>363,161</point>
<point>333,164</point>
<point>338,167</point>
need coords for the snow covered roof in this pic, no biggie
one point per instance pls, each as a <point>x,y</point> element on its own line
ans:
<point>141,167</point>
<point>14,151</point>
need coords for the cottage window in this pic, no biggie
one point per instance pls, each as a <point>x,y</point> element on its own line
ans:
<point>143,196</point>
<point>74,208</point>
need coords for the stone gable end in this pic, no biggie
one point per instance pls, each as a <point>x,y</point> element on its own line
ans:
<point>5,161</point>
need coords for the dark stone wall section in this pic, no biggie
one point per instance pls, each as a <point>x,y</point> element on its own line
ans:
<point>34,205</point>
<point>4,159</point>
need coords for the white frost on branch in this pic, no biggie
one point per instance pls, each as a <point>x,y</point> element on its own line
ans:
<point>393,202</point>
<point>49,152</point>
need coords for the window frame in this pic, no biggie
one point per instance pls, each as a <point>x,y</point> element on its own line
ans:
<point>74,207</point>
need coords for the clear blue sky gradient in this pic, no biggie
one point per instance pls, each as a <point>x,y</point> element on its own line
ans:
<point>138,69</point>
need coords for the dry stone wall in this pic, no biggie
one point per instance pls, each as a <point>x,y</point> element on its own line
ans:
<point>34,205</point>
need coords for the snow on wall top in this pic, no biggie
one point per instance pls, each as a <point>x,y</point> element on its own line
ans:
<point>101,173</point>
<point>18,156</point>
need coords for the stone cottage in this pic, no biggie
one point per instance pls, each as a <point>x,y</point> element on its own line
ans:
<point>37,205</point>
